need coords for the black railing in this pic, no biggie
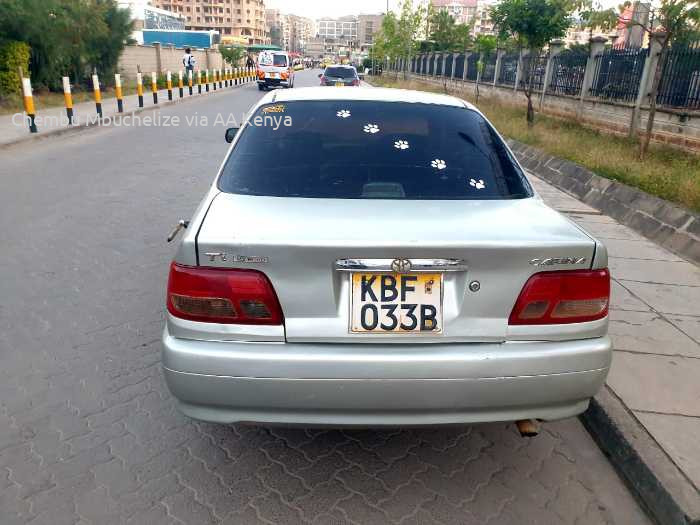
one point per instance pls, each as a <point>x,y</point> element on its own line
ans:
<point>431,65</point>
<point>680,84</point>
<point>568,69</point>
<point>449,60</point>
<point>438,65</point>
<point>472,66</point>
<point>533,73</point>
<point>509,68</point>
<point>487,75</point>
<point>618,73</point>
<point>459,66</point>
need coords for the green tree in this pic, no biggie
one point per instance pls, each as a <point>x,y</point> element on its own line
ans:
<point>593,16</point>
<point>533,23</point>
<point>485,45</point>
<point>442,31</point>
<point>408,26</point>
<point>232,55</point>
<point>67,37</point>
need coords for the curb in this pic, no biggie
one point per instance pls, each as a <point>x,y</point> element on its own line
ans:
<point>661,221</point>
<point>74,130</point>
<point>668,496</point>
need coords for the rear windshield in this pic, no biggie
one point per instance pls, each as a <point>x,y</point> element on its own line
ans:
<point>371,150</point>
<point>339,72</point>
<point>279,60</point>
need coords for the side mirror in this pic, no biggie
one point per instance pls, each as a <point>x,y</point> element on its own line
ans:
<point>231,134</point>
<point>320,75</point>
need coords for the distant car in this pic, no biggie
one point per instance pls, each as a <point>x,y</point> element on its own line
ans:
<point>339,75</point>
<point>274,70</point>
<point>382,261</point>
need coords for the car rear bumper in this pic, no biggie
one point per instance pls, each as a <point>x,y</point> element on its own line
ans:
<point>272,82</point>
<point>380,384</point>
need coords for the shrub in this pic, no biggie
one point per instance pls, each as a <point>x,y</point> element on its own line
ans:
<point>13,55</point>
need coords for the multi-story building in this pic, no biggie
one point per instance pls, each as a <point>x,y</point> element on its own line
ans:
<point>274,27</point>
<point>290,32</point>
<point>483,25</point>
<point>463,11</point>
<point>237,18</point>
<point>340,28</point>
<point>367,26</point>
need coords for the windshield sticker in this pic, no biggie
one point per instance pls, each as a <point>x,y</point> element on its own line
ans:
<point>371,128</point>
<point>478,184</point>
<point>401,144</point>
<point>278,108</point>
<point>343,113</point>
<point>439,164</point>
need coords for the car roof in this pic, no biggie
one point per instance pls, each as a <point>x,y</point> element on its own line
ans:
<point>339,65</point>
<point>367,93</point>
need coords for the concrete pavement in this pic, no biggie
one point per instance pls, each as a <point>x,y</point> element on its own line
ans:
<point>89,434</point>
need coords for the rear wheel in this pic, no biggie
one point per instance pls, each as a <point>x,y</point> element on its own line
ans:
<point>261,87</point>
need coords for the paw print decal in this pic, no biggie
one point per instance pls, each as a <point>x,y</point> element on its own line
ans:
<point>478,184</point>
<point>371,128</point>
<point>343,113</point>
<point>401,144</point>
<point>439,164</point>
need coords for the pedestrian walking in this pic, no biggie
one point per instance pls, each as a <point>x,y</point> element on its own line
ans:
<point>188,62</point>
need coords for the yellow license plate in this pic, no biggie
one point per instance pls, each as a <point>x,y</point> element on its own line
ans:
<point>396,303</point>
<point>273,75</point>
<point>339,84</point>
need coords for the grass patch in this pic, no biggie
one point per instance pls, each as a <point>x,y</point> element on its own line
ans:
<point>668,173</point>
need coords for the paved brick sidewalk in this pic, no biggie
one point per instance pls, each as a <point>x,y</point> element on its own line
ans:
<point>655,327</point>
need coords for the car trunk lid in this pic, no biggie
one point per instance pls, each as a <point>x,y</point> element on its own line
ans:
<point>301,245</point>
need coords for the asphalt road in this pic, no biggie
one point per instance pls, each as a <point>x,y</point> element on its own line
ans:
<point>88,432</point>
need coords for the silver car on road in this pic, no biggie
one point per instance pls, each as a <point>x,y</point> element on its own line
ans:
<point>378,257</point>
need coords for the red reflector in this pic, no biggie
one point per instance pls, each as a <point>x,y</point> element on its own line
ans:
<point>574,296</point>
<point>219,295</point>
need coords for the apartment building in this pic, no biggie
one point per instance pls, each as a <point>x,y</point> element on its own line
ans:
<point>237,18</point>
<point>345,28</point>
<point>367,27</point>
<point>463,11</point>
<point>290,32</point>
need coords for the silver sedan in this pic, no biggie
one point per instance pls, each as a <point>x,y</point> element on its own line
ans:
<point>378,257</point>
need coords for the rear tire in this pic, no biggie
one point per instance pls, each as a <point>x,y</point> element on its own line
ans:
<point>261,87</point>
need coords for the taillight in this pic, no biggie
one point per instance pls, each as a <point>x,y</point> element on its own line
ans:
<point>571,296</point>
<point>323,80</point>
<point>356,82</point>
<point>284,75</point>
<point>261,74</point>
<point>230,296</point>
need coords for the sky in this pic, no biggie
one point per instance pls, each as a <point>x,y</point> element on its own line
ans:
<point>335,8</point>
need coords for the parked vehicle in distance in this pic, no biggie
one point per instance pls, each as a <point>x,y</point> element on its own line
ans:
<point>340,76</point>
<point>274,70</point>
<point>382,261</point>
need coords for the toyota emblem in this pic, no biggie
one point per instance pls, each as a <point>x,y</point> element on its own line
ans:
<point>401,265</point>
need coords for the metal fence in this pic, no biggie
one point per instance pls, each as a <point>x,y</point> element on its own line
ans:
<point>449,62</point>
<point>615,73</point>
<point>618,73</point>
<point>567,71</point>
<point>680,86</point>
<point>487,75</point>
<point>459,66</point>
<point>509,68</point>
<point>472,61</point>
<point>533,72</point>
